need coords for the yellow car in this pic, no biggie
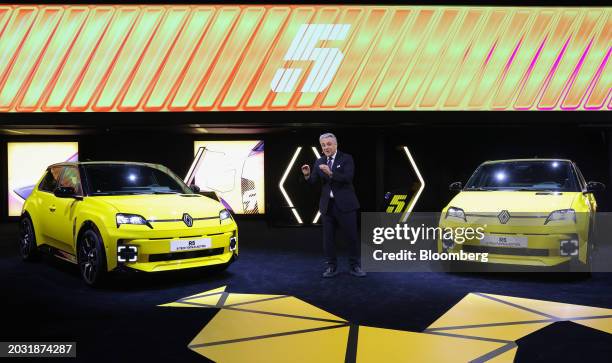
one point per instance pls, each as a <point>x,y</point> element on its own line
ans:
<point>107,216</point>
<point>536,212</point>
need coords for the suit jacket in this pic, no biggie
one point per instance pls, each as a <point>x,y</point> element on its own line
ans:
<point>340,183</point>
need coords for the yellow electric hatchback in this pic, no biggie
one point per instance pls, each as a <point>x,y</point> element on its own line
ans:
<point>536,212</point>
<point>106,216</point>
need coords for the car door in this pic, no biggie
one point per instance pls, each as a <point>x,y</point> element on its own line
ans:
<point>45,202</point>
<point>589,198</point>
<point>63,210</point>
<point>590,204</point>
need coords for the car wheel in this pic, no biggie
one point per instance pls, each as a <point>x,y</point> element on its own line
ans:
<point>27,240</point>
<point>91,258</point>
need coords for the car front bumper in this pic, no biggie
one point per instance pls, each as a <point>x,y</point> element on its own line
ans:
<point>150,249</point>
<point>546,246</point>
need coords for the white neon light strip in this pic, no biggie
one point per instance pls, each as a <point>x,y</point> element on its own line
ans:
<point>282,181</point>
<point>318,215</point>
<point>418,194</point>
<point>193,165</point>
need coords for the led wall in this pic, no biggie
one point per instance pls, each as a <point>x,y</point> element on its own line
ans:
<point>26,163</point>
<point>233,170</point>
<point>302,57</point>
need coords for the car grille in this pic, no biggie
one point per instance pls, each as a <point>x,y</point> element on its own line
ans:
<point>185,255</point>
<point>506,250</point>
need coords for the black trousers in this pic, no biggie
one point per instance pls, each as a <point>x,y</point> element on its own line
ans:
<point>347,222</point>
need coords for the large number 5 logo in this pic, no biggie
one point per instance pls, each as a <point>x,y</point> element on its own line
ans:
<point>396,205</point>
<point>326,60</point>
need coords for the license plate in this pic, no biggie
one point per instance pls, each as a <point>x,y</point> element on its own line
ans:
<point>189,244</point>
<point>504,241</point>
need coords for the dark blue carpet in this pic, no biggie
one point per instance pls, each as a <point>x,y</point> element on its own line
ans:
<point>120,322</point>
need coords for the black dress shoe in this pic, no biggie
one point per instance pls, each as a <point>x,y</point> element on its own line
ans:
<point>357,271</point>
<point>330,271</point>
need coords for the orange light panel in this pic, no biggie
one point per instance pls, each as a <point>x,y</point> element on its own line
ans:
<point>105,58</point>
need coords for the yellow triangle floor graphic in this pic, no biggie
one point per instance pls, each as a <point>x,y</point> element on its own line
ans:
<point>503,332</point>
<point>278,328</point>
<point>604,325</point>
<point>505,357</point>
<point>180,305</point>
<point>291,306</point>
<point>243,298</point>
<point>386,345</point>
<point>210,297</point>
<point>232,325</point>
<point>318,346</point>
<point>206,300</point>
<point>218,290</point>
<point>476,310</point>
<point>557,309</point>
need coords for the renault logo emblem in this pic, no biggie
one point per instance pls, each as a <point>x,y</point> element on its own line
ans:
<point>503,217</point>
<point>187,219</point>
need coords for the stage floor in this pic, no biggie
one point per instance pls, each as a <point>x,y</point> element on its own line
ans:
<point>47,301</point>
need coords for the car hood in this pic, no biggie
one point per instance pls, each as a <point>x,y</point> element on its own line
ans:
<point>512,201</point>
<point>164,206</point>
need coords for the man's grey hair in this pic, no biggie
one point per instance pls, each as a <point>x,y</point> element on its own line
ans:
<point>328,135</point>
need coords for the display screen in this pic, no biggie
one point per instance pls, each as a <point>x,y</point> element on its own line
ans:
<point>233,170</point>
<point>303,57</point>
<point>26,163</point>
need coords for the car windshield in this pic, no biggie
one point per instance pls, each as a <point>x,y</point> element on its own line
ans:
<point>540,175</point>
<point>122,179</point>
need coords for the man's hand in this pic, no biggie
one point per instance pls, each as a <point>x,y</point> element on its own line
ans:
<point>324,168</point>
<point>306,170</point>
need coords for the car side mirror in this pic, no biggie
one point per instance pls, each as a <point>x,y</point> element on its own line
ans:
<point>594,186</point>
<point>194,188</point>
<point>456,186</point>
<point>66,192</point>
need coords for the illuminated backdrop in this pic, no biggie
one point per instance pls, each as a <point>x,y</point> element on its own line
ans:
<point>233,170</point>
<point>199,58</point>
<point>27,162</point>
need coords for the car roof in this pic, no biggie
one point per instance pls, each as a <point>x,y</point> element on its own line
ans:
<point>77,163</point>
<point>532,159</point>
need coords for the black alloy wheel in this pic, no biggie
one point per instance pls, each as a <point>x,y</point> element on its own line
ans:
<point>91,258</point>
<point>27,240</point>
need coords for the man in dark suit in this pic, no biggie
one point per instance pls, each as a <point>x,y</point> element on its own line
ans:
<point>338,203</point>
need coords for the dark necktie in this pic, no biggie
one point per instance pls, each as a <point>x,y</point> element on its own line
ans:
<point>330,161</point>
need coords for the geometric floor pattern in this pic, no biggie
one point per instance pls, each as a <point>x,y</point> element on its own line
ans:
<point>280,328</point>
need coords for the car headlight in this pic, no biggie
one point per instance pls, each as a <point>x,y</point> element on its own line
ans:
<point>453,212</point>
<point>123,218</point>
<point>561,215</point>
<point>224,214</point>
